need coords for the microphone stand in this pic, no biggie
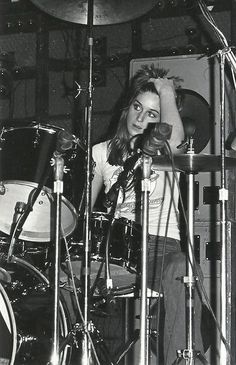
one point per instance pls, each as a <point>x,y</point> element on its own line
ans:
<point>86,358</point>
<point>58,163</point>
<point>144,348</point>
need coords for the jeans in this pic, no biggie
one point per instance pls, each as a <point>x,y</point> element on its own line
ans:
<point>173,289</point>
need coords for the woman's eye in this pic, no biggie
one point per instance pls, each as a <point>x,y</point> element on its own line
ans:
<point>152,115</point>
<point>137,107</point>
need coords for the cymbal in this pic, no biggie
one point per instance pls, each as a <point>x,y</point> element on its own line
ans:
<point>195,114</point>
<point>193,163</point>
<point>105,12</point>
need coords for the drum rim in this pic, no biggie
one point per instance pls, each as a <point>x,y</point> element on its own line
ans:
<point>36,126</point>
<point>106,215</point>
<point>13,323</point>
<point>120,220</point>
<point>51,128</point>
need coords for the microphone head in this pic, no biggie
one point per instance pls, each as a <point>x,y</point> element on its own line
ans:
<point>156,139</point>
<point>65,141</point>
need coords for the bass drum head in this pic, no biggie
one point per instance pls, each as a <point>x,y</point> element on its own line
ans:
<point>26,320</point>
<point>37,227</point>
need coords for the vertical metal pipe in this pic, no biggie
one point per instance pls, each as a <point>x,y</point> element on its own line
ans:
<point>86,273</point>
<point>190,273</point>
<point>146,171</point>
<point>223,196</point>
<point>42,72</point>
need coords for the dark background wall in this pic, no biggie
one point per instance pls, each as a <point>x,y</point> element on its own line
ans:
<point>49,55</point>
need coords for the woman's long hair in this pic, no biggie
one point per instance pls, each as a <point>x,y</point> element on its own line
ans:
<point>119,146</point>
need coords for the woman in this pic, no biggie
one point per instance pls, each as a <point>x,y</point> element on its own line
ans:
<point>151,99</point>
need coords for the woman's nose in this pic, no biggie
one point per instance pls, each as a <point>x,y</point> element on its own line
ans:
<point>140,117</point>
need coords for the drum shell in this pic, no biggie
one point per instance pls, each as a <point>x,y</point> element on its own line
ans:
<point>124,242</point>
<point>25,156</point>
<point>26,153</point>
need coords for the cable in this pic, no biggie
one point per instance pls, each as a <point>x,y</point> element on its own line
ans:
<point>72,277</point>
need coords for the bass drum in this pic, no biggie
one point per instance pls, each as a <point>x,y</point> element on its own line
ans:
<point>26,316</point>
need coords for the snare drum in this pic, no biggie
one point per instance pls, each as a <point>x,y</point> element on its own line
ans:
<point>124,250</point>
<point>25,155</point>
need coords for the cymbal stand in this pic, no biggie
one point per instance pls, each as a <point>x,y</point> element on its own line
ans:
<point>190,353</point>
<point>58,163</point>
<point>189,280</point>
<point>225,54</point>
<point>144,348</point>
<point>223,197</point>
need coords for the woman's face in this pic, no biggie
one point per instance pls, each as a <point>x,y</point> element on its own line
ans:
<point>144,109</point>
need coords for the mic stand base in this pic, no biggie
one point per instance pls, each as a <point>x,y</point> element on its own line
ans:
<point>76,338</point>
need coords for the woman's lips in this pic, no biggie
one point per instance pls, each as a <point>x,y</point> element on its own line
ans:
<point>137,127</point>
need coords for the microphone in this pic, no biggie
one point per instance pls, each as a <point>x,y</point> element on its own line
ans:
<point>111,196</point>
<point>2,188</point>
<point>19,210</point>
<point>65,141</point>
<point>15,227</point>
<point>156,139</point>
<point>130,166</point>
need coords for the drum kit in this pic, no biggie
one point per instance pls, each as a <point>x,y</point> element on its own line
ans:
<point>28,186</point>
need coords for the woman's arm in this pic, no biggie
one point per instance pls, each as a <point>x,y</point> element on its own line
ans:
<point>96,187</point>
<point>169,111</point>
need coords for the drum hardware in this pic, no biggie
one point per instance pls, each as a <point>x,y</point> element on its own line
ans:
<point>108,278</point>
<point>77,337</point>
<point>190,353</point>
